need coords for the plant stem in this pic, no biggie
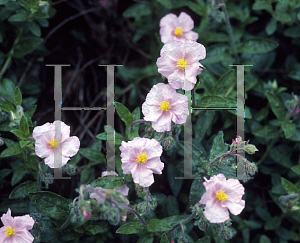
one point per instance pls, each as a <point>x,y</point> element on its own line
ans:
<point>135,212</point>
<point>66,223</point>
<point>10,54</point>
<point>230,32</point>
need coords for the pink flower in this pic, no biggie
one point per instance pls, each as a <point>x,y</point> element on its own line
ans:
<point>221,195</point>
<point>173,28</point>
<point>46,145</point>
<point>179,63</point>
<point>141,158</point>
<point>164,105</point>
<point>107,173</point>
<point>16,229</point>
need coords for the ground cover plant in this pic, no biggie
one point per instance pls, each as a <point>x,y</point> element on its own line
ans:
<point>157,83</point>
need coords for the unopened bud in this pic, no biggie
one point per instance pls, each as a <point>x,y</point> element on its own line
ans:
<point>252,168</point>
<point>168,143</point>
<point>250,148</point>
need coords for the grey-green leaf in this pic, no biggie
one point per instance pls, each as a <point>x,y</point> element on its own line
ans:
<point>23,189</point>
<point>156,225</point>
<point>52,204</point>
<point>124,114</point>
<point>258,45</point>
<point>129,228</point>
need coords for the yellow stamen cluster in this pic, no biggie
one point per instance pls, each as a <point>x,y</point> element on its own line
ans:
<point>181,63</point>
<point>164,105</point>
<point>9,231</point>
<point>142,158</point>
<point>54,143</point>
<point>220,195</point>
<point>178,31</point>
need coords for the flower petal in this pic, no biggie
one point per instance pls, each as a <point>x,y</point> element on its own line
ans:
<point>215,213</point>
<point>185,21</point>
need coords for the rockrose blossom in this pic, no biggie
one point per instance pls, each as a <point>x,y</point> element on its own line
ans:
<point>177,28</point>
<point>179,63</point>
<point>16,229</point>
<point>164,105</point>
<point>221,195</point>
<point>46,144</point>
<point>141,158</point>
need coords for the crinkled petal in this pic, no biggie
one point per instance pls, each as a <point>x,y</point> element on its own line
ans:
<point>70,146</point>
<point>24,222</point>
<point>23,236</point>
<point>185,21</point>
<point>191,35</point>
<point>166,65</point>
<point>40,130</point>
<point>215,213</point>
<point>155,165</point>
<point>176,79</point>
<point>151,112</point>
<point>50,160</point>
<point>123,189</point>
<point>42,147</point>
<point>143,176</point>
<point>65,129</point>
<point>235,190</point>
<point>235,208</point>
<point>2,234</point>
<point>153,149</point>
<point>100,199</point>
<point>7,219</point>
<point>169,19</point>
<point>163,123</point>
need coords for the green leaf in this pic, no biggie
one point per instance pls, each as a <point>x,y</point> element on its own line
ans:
<point>296,169</point>
<point>258,45</point>
<point>6,106</point>
<point>55,206</point>
<point>166,3</point>
<point>146,238</point>
<point>34,28</point>
<point>196,192</point>
<point>298,16</point>
<point>279,154</point>
<point>118,137</point>
<point>23,189</point>
<point>23,143</point>
<point>208,80</point>
<point>17,96</point>
<point>26,45</point>
<point>276,105</point>
<point>31,111</point>
<point>294,75</point>
<point>218,146</point>
<point>2,2</point>
<point>293,32</point>
<point>175,184</point>
<point>94,229</point>
<point>203,122</point>
<point>4,173</point>
<point>214,101</point>
<point>157,225</point>
<point>199,8</point>
<point>87,176</point>
<point>271,27</point>
<point>124,114</point>
<point>264,239</point>
<point>262,5</point>
<point>289,186</point>
<point>7,90</point>
<point>216,53</point>
<point>18,133</point>
<point>18,175</point>
<point>129,228</point>
<point>288,128</point>
<point>172,206</point>
<point>224,83</point>
<point>19,17</point>
<point>137,11</point>
<point>272,223</point>
<point>11,151</point>
<point>92,155</point>
<point>24,126</point>
<point>164,239</point>
<point>267,132</point>
<point>108,183</point>
<point>205,239</point>
<point>172,220</point>
<point>282,17</point>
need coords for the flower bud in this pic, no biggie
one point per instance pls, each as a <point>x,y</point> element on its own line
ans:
<point>252,168</point>
<point>250,148</point>
<point>168,143</point>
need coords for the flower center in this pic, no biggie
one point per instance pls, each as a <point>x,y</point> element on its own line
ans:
<point>182,63</point>
<point>220,195</point>
<point>54,143</point>
<point>142,158</point>
<point>9,231</point>
<point>164,105</point>
<point>178,31</point>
